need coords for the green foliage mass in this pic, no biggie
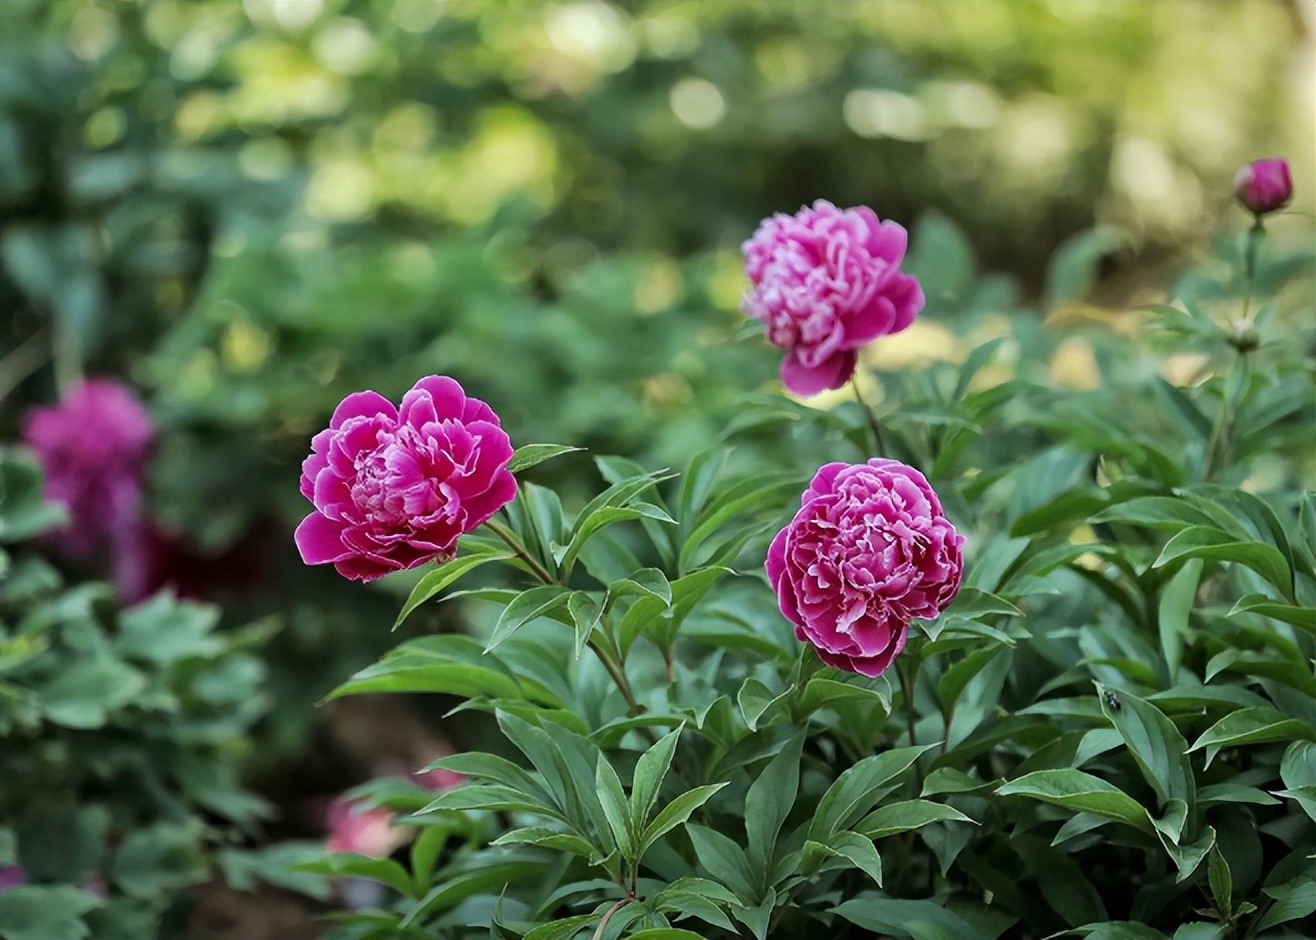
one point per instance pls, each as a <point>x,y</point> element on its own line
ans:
<point>124,737</point>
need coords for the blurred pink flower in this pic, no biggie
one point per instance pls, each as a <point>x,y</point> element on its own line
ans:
<point>394,487</point>
<point>11,876</point>
<point>438,779</point>
<point>1264,186</point>
<point>825,282</point>
<point>92,447</point>
<point>869,550</point>
<point>354,827</point>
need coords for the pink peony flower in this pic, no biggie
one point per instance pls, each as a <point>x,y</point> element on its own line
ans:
<point>93,447</point>
<point>825,282</point>
<point>395,487</point>
<point>869,549</point>
<point>365,831</point>
<point>1263,186</point>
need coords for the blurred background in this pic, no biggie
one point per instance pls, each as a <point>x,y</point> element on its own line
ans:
<point>246,210</point>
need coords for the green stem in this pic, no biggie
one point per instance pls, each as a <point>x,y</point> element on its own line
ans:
<point>907,690</point>
<point>508,536</point>
<point>612,660</point>
<point>872,418</point>
<point>607,915</point>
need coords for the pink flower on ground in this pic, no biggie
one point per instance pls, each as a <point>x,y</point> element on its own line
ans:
<point>92,447</point>
<point>825,282</point>
<point>395,487</point>
<point>354,827</point>
<point>869,550</point>
<point>1264,186</point>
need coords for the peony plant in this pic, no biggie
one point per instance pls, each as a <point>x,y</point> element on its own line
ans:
<point>1029,659</point>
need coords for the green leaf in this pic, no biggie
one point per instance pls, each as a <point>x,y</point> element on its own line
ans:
<point>913,920</point>
<point>564,928</point>
<point>1169,513</point>
<point>1252,726</point>
<point>454,887</point>
<point>158,859</point>
<point>675,813</point>
<point>1073,268</point>
<point>554,839</point>
<point>756,700</point>
<point>450,663</point>
<point>616,808</point>
<point>1222,883</point>
<point>723,859</point>
<point>615,504</point>
<point>650,771</point>
<point>1156,746</point>
<point>1302,617</point>
<point>902,817</point>
<point>769,802</point>
<point>648,581</point>
<point>1207,542</point>
<point>1297,769</point>
<point>349,864</point>
<point>958,676</point>
<point>529,605</point>
<point>1292,900</point>
<point>665,933</point>
<point>447,573</point>
<point>44,913</point>
<point>859,851</point>
<point>858,788</point>
<point>84,694</point>
<point>1081,792</point>
<point>1172,616</point>
<point>531,455</point>
<point>585,608</point>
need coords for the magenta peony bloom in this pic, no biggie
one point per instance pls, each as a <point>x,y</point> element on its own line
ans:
<point>92,447</point>
<point>825,282</point>
<point>869,549</point>
<point>395,487</point>
<point>1264,186</point>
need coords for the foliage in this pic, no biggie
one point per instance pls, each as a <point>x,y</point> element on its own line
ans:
<point>123,739</point>
<point>1110,733</point>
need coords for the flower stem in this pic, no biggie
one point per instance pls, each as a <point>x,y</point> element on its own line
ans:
<point>522,552</point>
<point>872,418</point>
<point>907,669</point>
<point>612,663</point>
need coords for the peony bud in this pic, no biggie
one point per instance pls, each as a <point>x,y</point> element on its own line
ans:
<point>1264,186</point>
